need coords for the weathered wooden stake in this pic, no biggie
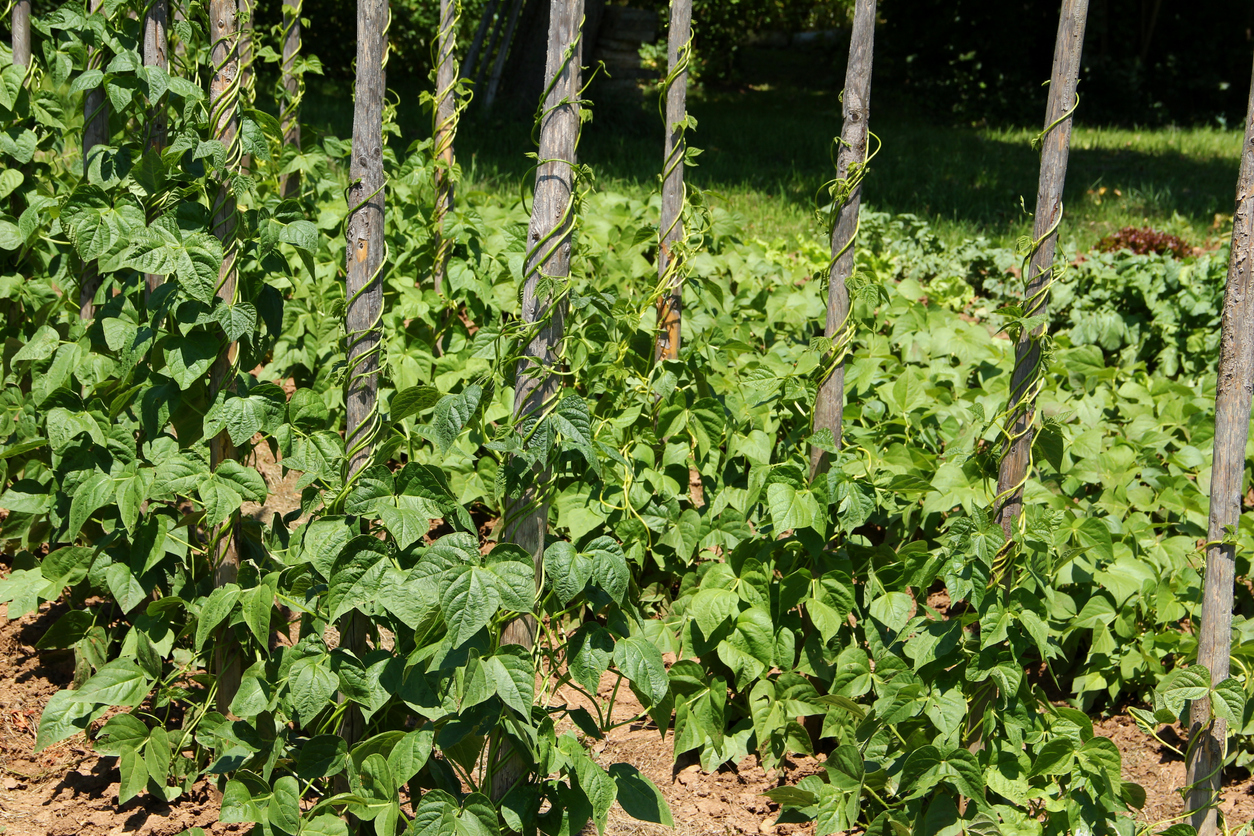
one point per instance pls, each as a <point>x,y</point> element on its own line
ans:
<point>180,48</point>
<point>156,48</point>
<point>444,131</point>
<point>247,78</point>
<point>289,116</point>
<point>671,229</point>
<point>95,132</point>
<point>829,404</point>
<point>224,116</point>
<point>1055,145</point>
<point>1207,739</point>
<point>494,34</point>
<point>364,245</point>
<point>472,54</point>
<point>498,66</point>
<point>21,33</point>
<point>548,254</point>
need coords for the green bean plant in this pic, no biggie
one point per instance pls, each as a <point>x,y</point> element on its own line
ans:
<point>109,494</point>
<point>694,569</point>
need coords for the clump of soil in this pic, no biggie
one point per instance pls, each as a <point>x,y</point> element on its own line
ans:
<point>1143,241</point>
<point>1161,772</point>
<point>67,789</point>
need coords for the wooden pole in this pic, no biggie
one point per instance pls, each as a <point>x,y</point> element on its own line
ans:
<point>156,54</point>
<point>95,132</point>
<point>180,48</point>
<point>549,238</point>
<point>1056,141</point>
<point>21,33</point>
<point>1207,739</point>
<point>671,229</point>
<point>444,131</point>
<point>248,79</point>
<point>829,403</point>
<point>498,66</point>
<point>549,248</point>
<point>472,55</point>
<point>364,291</point>
<point>493,36</point>
<point>224,117</point>
<point>289,117</point>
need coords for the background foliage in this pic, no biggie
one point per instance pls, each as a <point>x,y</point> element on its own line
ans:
<point>861,614</point>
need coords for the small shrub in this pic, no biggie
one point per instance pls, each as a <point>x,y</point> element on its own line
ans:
<point>1144,241</point>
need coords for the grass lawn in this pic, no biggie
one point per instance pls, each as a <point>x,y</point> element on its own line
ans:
<point>767,149</point>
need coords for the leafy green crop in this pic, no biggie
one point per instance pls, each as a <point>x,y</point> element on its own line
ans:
<point>863,615</point>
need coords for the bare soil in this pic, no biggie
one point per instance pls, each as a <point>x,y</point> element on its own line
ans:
<point>68,790</point>
<point>727,801</point>
<point>1160,770</point>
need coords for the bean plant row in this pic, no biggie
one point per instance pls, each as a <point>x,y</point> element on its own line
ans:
<point>697,575</point>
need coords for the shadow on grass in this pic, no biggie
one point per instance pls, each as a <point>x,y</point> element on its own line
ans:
<point>767,150</point>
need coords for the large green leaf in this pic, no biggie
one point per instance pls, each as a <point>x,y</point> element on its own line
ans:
<point>641,662</point>
<point>119,683</point>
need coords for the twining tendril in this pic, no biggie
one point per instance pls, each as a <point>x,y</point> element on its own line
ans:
<point>553,290</point>
<point>224,121</point>
<point>1039,140</point>
<point>289,100</point>
<point>836,347</point>
<point>362,438</point>
<point>248,55</point>
<point>1023,396</point>
<point>673,275</point>
<point>224,117</point>
<point>1017,419</point>
<point>444,130</point>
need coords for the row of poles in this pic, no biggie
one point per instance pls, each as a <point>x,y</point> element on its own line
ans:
<point>549,253</point>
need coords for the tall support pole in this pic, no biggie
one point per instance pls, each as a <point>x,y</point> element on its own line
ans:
<point>95,132</point>
<point>224,118</point>
<point>1207,738</point>
<point>493,36</point>
<point>445,130</point>
<point>156,54</point>
<point>21,33</point>
<point>548,255</point>
<point>549,250</point>
<point>498,66</point>
<point>293,88</point>
<point>247,78</point>
<point>851,159</point>
<point>671,229</point>
<point>364,290</point>
<point>180,48</point>
<point>1026,379</point>
<point>476,44</point>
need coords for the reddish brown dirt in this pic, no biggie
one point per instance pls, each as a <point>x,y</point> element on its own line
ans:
<point>727,801</point>
<point>67,790</point>
<point>283,496</point>
<point>1161,771</point>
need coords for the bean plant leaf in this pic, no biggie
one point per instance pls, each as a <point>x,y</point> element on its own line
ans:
<point>119,683</point>
<point>639,797</point>
<point>451,415</point>
<point>641,662</point>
